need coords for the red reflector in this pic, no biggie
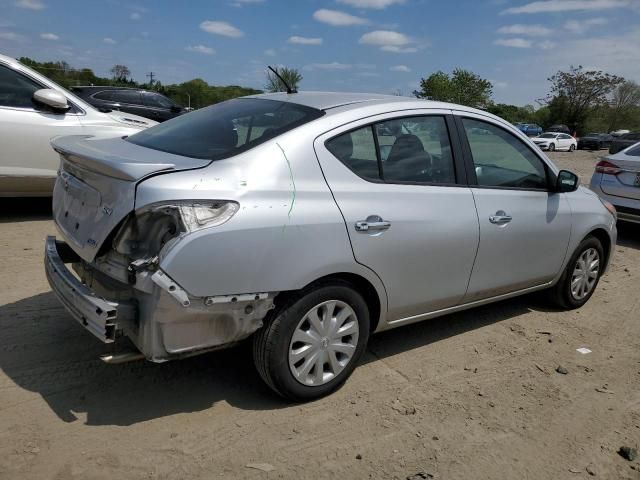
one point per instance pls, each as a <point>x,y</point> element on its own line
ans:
<point>605,166</point>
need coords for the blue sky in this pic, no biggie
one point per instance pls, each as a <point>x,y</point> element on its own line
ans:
<point>354,45</point>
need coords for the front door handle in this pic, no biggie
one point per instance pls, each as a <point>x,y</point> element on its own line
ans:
<point>372,223</point>
<point>500,218</point>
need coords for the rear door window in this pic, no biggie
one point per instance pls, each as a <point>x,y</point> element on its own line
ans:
<point>131,97</point>
<point>106,95</point>
<point>157,101</point>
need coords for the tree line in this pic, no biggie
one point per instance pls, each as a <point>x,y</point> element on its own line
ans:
<point>584,100</point>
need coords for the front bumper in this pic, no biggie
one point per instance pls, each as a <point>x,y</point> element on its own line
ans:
<point>96,314</point>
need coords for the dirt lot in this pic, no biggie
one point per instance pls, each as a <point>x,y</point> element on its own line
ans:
<point>468,396</point>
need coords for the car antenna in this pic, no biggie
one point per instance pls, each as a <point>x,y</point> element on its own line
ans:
<point>289,89</point>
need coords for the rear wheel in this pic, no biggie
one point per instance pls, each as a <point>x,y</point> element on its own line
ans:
<point>311,344</point>
<point>552,147</point>
<point>581,275</point>
<point>572,147</point>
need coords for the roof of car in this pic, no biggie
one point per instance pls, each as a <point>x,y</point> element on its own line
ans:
<point>328,100</point>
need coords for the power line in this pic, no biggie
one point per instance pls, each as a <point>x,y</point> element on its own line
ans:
<point>150,75</point>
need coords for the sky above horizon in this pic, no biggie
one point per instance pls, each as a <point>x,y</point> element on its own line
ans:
<point>382,46</point>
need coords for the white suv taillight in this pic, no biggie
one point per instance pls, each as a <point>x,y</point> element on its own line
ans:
<point>607,167</point>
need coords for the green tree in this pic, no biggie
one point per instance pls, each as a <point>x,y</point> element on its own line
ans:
<point>120,72</point>
<point>624,105</point>
<point>462,86</point>
<point>292,76</point>
<point>577,92</point>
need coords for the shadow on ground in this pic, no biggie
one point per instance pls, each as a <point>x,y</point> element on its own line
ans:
<point>44,351</point>
<point>25,209</point>
<point>629,235</point>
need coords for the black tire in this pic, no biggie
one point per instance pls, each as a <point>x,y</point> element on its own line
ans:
<point>552,147</point>
<point>560,294</point>
<point>271,343</point>
<point>572,147</point>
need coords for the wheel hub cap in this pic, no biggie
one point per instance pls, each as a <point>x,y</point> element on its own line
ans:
<point>585,273</point>
<point>323,343</point>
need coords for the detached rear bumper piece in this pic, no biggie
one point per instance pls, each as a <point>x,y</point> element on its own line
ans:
<point>96,314</point>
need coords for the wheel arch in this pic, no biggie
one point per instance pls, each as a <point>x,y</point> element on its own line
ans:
<point>603,236</point>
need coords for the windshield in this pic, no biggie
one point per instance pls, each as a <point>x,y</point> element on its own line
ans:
<point>547,135</point>
<point>225,129</point>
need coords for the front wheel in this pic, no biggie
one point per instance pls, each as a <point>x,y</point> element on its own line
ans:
<point>552,147</point>
<point>580,277</point>
<point>312,343</point>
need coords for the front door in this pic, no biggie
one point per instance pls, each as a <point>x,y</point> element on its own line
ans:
<point>408,218</point>
<point>524,226</point>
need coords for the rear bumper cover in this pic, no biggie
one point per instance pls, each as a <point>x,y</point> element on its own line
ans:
<point>96,314</point>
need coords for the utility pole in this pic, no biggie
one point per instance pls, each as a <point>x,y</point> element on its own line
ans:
<point>150,75</point>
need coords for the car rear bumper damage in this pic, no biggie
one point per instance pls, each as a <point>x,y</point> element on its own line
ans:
<point>154,312</point>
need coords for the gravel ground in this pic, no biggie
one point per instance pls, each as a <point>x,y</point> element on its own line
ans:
<point>471,395</point>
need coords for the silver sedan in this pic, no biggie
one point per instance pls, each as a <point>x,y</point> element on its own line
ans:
<point>617,180</point>
<point>308,221</point>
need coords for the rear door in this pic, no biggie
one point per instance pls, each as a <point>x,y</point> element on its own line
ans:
<point>524,227</point>
<point>129,101</point>
<point>159,107</point>
<point>400,184</point>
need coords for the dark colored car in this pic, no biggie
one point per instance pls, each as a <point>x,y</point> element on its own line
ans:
<point>131,100</point>
<point>624,141</point>
<point>595,141</point>
<point>559,129</point>
<point>529,129</point>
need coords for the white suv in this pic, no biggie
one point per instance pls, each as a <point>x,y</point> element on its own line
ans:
<point>33,109</point>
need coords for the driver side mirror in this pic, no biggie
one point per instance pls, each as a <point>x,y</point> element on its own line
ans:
<point>567,181</point>
<point>51,98</point>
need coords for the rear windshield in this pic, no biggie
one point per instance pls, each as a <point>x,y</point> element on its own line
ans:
<point>225,129</point>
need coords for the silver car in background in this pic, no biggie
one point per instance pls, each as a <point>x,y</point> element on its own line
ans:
<point>617,179</point>
<point>309,221</point>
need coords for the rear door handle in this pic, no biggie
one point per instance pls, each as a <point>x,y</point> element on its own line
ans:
<point>500,218</point>
<point>372,223</point>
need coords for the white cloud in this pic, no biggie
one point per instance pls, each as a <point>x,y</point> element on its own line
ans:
<point>385,38</point>
<point>499,84</point>
<point>529,30</point>
<point>546,45</point>
<point>514,42</point>
<point>240,3</point>
<point>375,4</point>
<point>200,49</point>
<point>30,4</point>
<point>49,36</point>
<point>581,26</point>
<point>221,28</point>
<point>9,36</point>
<point>400,68</point>
<point>329,66</point>
<point>109,41</point>
<point>270,52</point>
<point>304,40</point>
<point>135,16</point>
<point>547,6</point>
<point>396,49</point>
<point>338,18</point>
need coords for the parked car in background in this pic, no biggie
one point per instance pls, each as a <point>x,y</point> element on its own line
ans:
<point>33,109</point>
<point>617,133</point>
<point>595,141</point>
<point>529,129</point>
<point>559,129</point>
<point>185,228</point>
<point>624,141</point>
<point>132,100</point>
<point>617,180</point>
<point>555,141</point>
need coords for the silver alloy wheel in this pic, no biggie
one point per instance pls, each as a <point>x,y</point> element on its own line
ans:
<point>323,343</point>
<point>585,273</point>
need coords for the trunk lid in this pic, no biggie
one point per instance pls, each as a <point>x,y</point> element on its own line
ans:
<point>96,185</point>
<point>627,183</point>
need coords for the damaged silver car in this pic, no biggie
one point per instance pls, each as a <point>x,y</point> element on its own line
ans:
<point>308,221</point>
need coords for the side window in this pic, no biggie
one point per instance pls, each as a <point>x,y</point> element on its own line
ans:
<point>415,149</point>
<point>157,101</point>
<point>357,150</point>
<point>16,90</point>
<point>501,159</point>
<point>105,95</point>
<point>131,97</point>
